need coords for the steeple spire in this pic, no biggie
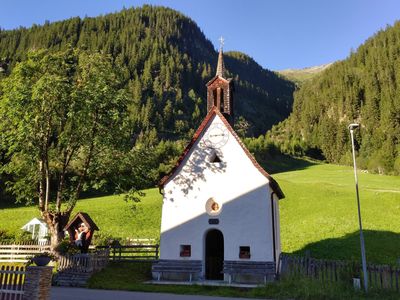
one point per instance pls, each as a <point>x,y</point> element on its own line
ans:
<point>220,65</point>
<point>220,90</point>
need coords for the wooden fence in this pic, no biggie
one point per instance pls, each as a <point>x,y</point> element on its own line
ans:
<point>12,282</point>
<point>380,277</point>
<point>20,252</point>
<point>84,263</point>
<point>139,241</point>
<point>28,243</point>
<point>132,252</point>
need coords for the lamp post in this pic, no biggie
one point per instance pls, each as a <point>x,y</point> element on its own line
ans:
<point>363,259</point>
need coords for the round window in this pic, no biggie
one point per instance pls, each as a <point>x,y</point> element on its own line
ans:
<point>213,208</point>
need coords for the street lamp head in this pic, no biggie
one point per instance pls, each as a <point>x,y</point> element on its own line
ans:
<point>353,126</point>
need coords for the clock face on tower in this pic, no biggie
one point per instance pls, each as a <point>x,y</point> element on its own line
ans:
<point>217,136</point>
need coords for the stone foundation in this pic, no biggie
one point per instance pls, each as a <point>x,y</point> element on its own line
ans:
<point>37,283</point>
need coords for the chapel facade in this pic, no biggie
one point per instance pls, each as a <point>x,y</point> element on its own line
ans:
<point>220,213</point>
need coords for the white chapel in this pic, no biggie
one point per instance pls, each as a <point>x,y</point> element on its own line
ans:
<point>220,213</point>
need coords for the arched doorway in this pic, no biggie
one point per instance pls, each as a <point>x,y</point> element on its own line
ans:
<point>214,256</point>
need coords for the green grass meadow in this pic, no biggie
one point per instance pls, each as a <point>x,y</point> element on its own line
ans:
<point>114,216</point>
<point>135,277</point>
<point>319,214</point>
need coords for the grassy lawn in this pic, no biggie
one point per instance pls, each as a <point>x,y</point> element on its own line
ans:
<point>116,217</point>
<point>318,214</point>
<point>112,214</point>
<point>133,277</point>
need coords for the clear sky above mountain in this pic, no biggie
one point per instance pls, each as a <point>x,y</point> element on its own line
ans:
<point>277,34</point>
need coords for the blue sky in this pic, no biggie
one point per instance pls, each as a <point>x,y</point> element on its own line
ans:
<point>277,34</point>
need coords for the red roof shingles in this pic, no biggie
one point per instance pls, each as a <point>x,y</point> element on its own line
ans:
<point>214,111</point>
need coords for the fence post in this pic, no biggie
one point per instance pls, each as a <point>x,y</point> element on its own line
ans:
<point>37,283</point>
<point>157,251</point>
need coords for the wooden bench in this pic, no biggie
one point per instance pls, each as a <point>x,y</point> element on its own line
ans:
<point>248,267</point>
<point>177,266</point>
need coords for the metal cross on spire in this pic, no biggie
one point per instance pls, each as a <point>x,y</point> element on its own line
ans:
<point>221,41</point>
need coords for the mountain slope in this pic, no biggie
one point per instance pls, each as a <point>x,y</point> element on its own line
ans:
<point>299,76</point>
<point>168,61</point>
<point>364,88</point>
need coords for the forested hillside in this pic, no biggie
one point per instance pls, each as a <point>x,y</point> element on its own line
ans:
<point>169,60</point>
<point>162,61</point>
<point>364,88</point>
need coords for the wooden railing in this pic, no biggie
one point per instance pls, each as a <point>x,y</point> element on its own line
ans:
<point>84,263</point>
<point>20,253</point>
<point>28,243</point>
<point>139,241</point>
<point>380,276</point>
<point>132,252</point>
<point>12,282</point>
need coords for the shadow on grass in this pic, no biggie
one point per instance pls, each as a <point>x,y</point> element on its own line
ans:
<point>280,163</point>
<point>381,247</point>
<point>135,276</point>
<point>10,203</point>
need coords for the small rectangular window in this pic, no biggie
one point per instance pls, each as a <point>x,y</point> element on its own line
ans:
<point>244,252</point>
<point>185,251</point>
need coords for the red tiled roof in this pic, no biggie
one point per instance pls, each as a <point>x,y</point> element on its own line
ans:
<point>214,111</point>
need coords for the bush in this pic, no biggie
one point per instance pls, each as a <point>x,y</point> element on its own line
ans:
<point>6,237</point>
<point>23,237</point>
<point>104,239</point>
<point>20,238</point>
<point>66,247</point>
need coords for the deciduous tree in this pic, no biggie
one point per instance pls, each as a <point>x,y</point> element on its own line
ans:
<point>57,113</point>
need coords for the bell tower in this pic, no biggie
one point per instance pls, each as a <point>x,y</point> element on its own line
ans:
<point>220,90</point>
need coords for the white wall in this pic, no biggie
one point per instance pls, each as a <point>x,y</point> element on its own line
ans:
<point>245,217</point>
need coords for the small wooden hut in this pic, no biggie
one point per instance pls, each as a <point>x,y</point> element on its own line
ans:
<point>76,222</point>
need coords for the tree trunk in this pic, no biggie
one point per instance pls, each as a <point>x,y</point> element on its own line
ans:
<point>41,186</point>
<point>56,222</point>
